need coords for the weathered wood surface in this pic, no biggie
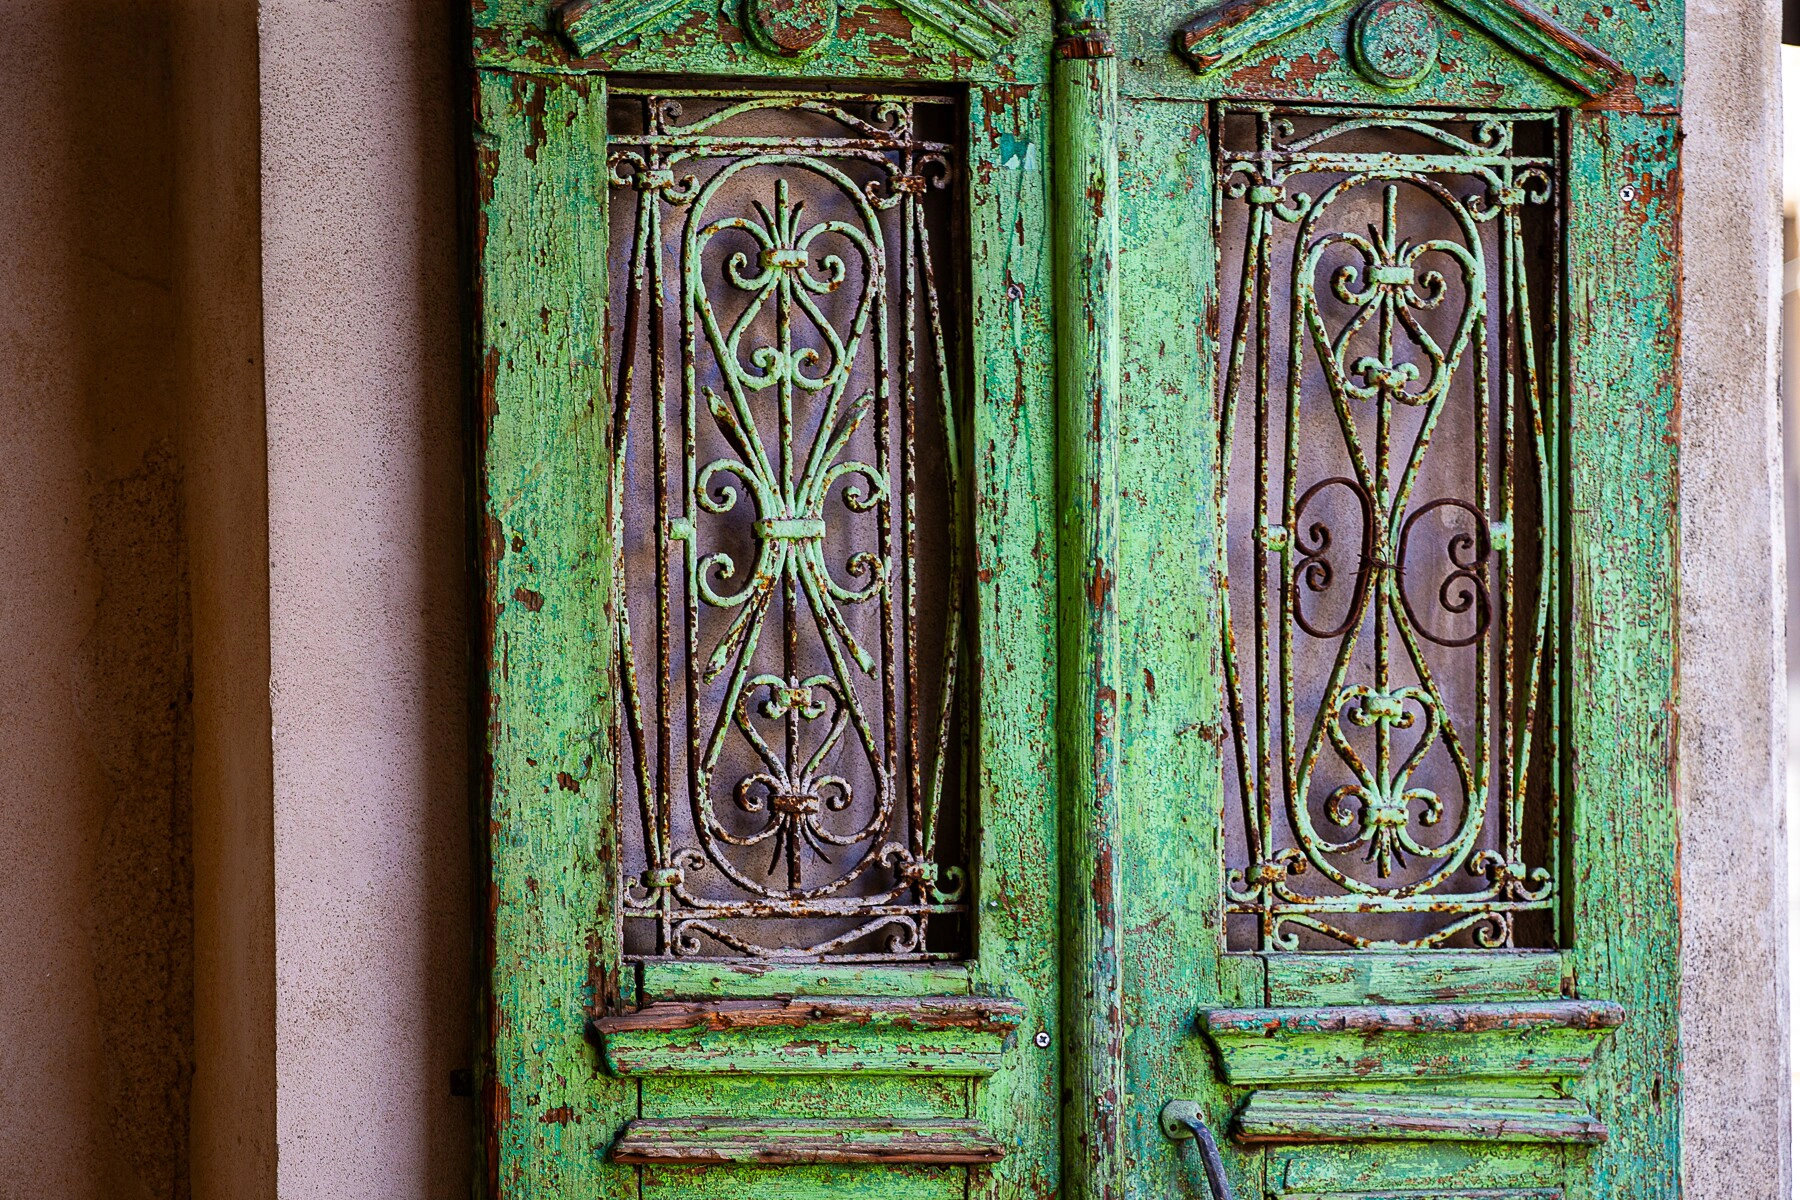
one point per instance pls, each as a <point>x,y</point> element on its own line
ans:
<point>1235,30</point>
<point>870,1012</point>
<point>816,1097</point>
<point>717,979</point>
<point>802,1050</point>
<point>1416,1169</point>
<point>813,1181</point>
<point>542,445</point>
<point>1087,357</point>
<point>540,249</point>
<point>1419,1018</point>
<point>1277,1116</point>
<point>871,39</point>
<point>941,1035</point>
<point>1446,976</point>
<point>1171,861</point>
<point>1014,460</point>
<point>704,1140</point>
<point>1550,1040</point>
<point>1624,201</point>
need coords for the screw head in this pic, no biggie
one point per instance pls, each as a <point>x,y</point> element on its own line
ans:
<point>1042,1039</point>
<point>1628,193</point>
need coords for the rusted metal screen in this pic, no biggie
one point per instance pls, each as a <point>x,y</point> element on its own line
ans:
<point>1389,290</point>
<point>788,509</point>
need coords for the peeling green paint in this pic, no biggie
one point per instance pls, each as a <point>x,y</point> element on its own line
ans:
<point>1093,371</point>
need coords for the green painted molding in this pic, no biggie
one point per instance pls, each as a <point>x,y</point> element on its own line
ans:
<point>1234,30</point>
<point>949,1035</point>
<point>1282,1116</point>
<point>1356,1043</point>
<point>821,1050</point>
<point>702,1141</point>
<point>592,25</point>
<point>712,979</point>
<point>544,458</point>
<point>981,27</point>
<point>1086,99</point>
<point>1441,977</point>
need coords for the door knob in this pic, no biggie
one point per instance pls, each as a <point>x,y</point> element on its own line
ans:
<point>1181,1121</point>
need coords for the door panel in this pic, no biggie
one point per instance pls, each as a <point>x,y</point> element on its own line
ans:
<point>916,760</point>
<point>1172,861</point>
<point>1408,1066</point>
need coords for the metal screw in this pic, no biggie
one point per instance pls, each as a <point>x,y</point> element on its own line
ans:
<point>1042,1040</point>
<point>1628,193</point>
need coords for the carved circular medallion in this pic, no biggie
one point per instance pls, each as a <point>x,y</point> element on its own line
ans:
<point>1395,42</point>
<point>790,28</point>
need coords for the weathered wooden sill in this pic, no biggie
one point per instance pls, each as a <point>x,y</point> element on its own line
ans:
<point>702,1141</point>
<point>1552,1039</point>
<point>1276,1117</point>
<point>870,1035</point>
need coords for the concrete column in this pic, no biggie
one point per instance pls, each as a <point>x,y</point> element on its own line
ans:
<point>367,633</point>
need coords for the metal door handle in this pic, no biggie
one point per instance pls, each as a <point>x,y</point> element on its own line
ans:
<point>1181,1120</point>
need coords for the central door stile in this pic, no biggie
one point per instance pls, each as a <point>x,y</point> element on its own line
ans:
<point>1085,128</point>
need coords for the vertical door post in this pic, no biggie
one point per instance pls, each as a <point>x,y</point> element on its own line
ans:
<point>1086,171</point>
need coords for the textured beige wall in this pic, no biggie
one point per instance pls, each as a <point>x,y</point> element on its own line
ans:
<point>1733,694</point>
<point>225,516</point>
<point>367,599</point>
<point>95,883</point>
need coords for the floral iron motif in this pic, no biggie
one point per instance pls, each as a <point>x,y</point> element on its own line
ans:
<point>789,757</point>
<point>1395,770</point>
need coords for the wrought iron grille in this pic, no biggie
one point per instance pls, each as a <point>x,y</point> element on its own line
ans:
<point>787,518</point>
<point>1389,286</point>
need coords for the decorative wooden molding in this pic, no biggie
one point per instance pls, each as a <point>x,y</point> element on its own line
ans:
<point>982,27</point>
<point>703,1141</point>
<point>1441,977</point>
<point>933,1035</point>
<point>728,979</point>
<point>1279,1116</point>
<point>1243,27</point>
<point>1347,1044</point>
<point>592,25</point>
<point>986,1013</point>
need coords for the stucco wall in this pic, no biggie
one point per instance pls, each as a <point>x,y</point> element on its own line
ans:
<point>1733,692</point>
<point>368,642</point>
<point>225,518</point>
<point>96,1032</point>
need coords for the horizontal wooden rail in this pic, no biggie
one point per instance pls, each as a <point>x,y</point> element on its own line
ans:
<point>1416,1018</point>
<point>935,1035</point>
<point>1277,1116</point>
<point>786,1142</point>
<point>1550,1039</point>
<point>987,1014</point>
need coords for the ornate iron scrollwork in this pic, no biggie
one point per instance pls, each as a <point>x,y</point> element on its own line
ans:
<point>792,723</point>
<point>1389,456</point>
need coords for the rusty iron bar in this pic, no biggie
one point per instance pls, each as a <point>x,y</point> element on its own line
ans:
<point>790,416</point>
<point>1182,1121</point>
<point>1366,341</point>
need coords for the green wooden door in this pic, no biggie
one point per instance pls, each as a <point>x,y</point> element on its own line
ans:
<point>1065,585</point>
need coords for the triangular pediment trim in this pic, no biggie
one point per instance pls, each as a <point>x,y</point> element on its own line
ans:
<point>1237,29</point>
<point>980,27</point>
